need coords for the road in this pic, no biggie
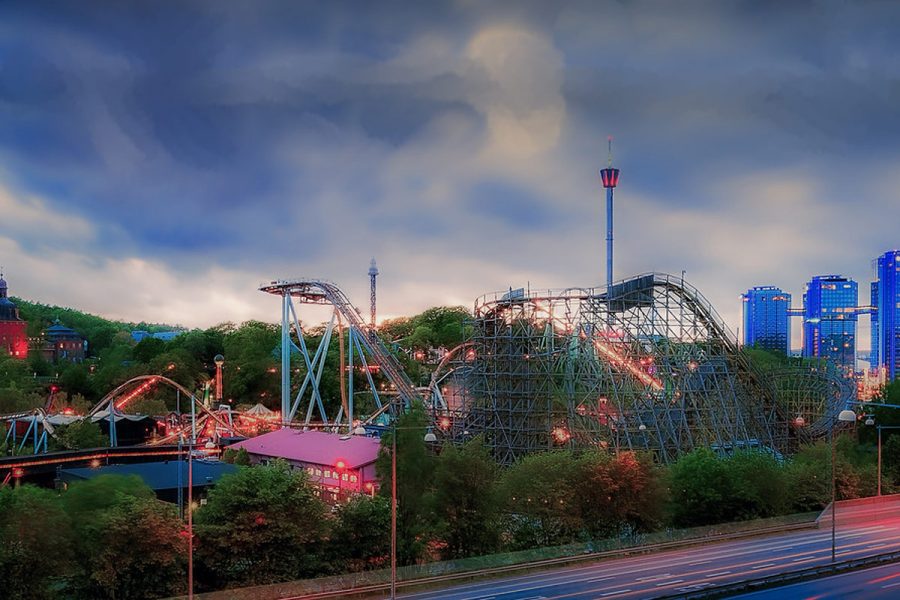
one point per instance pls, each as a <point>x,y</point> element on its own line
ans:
<point>878,582</point>
<point>871,530</point>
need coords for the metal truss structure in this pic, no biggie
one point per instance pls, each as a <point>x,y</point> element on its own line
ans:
<point>362,345</point>
<point>812,396</point>
<point>644,364</point>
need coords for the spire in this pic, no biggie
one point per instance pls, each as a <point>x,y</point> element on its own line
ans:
<point>3,286</point>
<point>609,151</point>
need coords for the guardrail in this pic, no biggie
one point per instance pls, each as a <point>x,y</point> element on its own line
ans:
<point>376,582</point>
<point>787,578</point>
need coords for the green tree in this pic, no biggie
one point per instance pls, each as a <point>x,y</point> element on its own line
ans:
<point>701,490</point>
<point>809,475</point>
<point>134,549</point>
<point>463,500</point>
<point>80,435</point>
<point>148,349</point>
<point>260,525</point>
<point>415,469</point>
<point>759,483</point>
<point>35,543</point>
<point>541,507</point>
<point>361,536</point>
<point>616,493</point>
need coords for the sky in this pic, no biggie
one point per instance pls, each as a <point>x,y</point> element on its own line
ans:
<point>158,161</point>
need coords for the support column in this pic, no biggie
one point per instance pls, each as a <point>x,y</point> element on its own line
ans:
<point>286,358</point>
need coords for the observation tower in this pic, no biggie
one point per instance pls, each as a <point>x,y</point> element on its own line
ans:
<point>610,177</point>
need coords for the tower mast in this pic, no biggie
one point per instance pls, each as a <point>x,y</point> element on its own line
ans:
<point>373,273</point>
<point>610,177</point>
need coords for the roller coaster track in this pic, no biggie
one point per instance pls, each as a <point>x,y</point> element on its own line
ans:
<point>205,413</point>
<point>317,291</point>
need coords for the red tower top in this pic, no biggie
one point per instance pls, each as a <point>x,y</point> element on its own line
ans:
<point>610,177</point>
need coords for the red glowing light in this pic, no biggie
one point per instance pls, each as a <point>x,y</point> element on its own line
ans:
<point>68,411</point>
<point>340,465</point>
<point>444,423</point>
<point>560,435</point>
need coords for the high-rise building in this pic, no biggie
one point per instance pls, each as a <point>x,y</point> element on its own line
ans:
<point>766,318</point>
<point>874,361</point>
<point>886,318</point>
<point>829,320</point>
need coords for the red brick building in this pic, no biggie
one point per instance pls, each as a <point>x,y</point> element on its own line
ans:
<point>13,340</point>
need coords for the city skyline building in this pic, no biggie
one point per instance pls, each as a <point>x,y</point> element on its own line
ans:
<point>829,320</point>
<point>886,314</point>
<point>765,318</point>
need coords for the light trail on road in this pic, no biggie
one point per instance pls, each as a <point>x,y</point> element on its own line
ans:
<point>867,533</point>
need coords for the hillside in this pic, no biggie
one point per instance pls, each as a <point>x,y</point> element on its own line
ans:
<point>98,331</point>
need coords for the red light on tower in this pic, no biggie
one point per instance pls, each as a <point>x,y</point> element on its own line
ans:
<point>340,465</point>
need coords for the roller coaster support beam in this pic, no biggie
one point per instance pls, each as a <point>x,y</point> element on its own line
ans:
<point>286,359</point>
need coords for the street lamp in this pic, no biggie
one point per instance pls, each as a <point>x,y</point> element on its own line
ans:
<point>870,421</point>
<point>844,416</point>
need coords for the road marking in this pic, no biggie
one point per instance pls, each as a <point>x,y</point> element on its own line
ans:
<point>721,573</point>
<point>669,582</point>
<point>807,557</point>
<point>651,578</point>
<point>702,562</point>
<point>598,579</point>
<point>615,593</point>
<point>763,566</point>
<point>896,583</point>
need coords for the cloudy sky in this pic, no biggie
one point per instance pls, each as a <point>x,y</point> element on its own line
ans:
<point>159,160</point>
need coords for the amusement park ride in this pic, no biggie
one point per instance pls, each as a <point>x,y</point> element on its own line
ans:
<point>643,363</point>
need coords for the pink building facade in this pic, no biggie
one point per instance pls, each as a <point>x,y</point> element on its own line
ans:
<point>338,465</point>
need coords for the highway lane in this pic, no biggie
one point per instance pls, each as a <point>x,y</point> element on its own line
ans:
<point>687,569</point>
<point>877,582</point>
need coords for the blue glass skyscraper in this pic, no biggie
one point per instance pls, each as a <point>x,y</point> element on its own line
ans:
<point>886,320</point>
<point>874,361</point>
<point>766,318</point>
<point>829,320</point>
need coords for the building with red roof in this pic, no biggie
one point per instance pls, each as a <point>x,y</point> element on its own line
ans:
<point>337,464</point>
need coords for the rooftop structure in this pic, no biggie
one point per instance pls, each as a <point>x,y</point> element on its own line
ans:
<point>337,464</point>
<point>164,478</point>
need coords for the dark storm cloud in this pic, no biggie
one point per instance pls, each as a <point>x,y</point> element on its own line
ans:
<point>265,136</point>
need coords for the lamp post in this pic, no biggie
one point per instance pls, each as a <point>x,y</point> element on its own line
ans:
<point>870,421</point>
<point>844,416</point>
<point>430,437</point>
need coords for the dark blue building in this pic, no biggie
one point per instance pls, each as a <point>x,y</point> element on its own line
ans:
<point>829,320</point>
<point>886,318</point>
<point>766,318</point>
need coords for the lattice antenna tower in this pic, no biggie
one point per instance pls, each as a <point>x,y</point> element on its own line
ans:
<point>373,273</point>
